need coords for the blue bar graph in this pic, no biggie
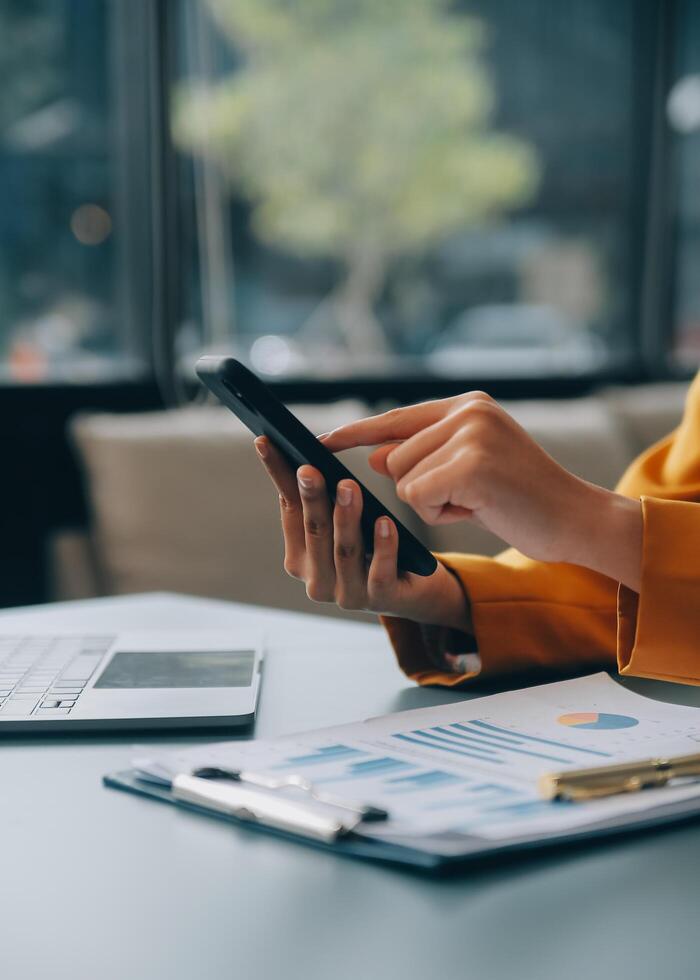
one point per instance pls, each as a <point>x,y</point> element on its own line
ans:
<point>427,743</point>
<point>368,768</point>
<point>383,764</point>
<point>533,738</point>
<point>492,814</point>
<point>325,753</point>
<point>525,809</point>
<point>433,734</point>
<point>486,742</point>
<point>422,780</point>
<point>486,796</point>
<point>493,788</point>
<point>477,740</point>
<point>502,740</point>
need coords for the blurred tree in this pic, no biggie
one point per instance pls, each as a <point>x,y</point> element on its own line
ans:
<point>27,58</point>
<point>29,77</point>
<point>358,129</point>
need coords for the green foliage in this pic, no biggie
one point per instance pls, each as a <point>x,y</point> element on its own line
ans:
<point>29,40</point>
<point>355,124</point>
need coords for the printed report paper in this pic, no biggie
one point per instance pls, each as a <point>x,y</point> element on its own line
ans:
<point>471,769</point>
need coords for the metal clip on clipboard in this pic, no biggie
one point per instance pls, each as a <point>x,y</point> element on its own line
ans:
<point>251,797</point>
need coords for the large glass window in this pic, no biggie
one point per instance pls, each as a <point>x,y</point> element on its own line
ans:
<point>344,189</point>
<point>682,254</point>
<point>410,186</point>
<point>72,299</point>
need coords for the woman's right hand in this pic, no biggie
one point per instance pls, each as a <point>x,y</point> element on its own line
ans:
<point>323,547</point>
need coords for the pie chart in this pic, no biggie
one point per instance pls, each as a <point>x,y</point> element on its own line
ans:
<point>597,719</point>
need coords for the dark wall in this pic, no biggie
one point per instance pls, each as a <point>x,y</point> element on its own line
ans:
<point>40,485</point>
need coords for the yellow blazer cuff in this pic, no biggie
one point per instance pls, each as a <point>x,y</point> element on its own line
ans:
<point>658,632</point>
<point>529,619</point>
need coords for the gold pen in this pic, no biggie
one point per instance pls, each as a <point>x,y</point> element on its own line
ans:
<point>578,785</point>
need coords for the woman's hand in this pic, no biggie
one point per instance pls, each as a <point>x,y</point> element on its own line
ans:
<point>466,458</point>
<point>323,546</point>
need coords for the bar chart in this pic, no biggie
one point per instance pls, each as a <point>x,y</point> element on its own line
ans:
<point>321,755</point>
<point>499,746</point>
<point>432,795</point>
<point>457,775</point>
<point>380,767</point>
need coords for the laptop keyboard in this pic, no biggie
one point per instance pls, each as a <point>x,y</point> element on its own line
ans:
<point>45,675</point>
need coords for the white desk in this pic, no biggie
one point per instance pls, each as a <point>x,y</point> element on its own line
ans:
<point>99,885</point>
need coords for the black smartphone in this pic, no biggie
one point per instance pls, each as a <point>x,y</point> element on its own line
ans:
<point>264,414</point>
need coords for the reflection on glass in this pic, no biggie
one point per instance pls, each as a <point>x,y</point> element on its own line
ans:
<point>63,305</point>
<point>427,186</point>
<point>357,132</point>
<point>412,184</point>
<point>683,114</point>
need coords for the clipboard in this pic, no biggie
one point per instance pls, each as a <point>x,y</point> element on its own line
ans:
<point>456,854</point>
<point>393,788</point>
<point>129,781</point>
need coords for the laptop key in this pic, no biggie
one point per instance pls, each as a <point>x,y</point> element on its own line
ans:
<point>17,708</point>
<point>38,671</point>
<point>82,668</point>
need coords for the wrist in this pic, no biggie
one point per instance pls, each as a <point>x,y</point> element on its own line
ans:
<point>625,535</point>
<point>447,601</point>
<point>608,535</point>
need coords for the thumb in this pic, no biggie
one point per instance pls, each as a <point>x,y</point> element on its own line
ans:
<point>377,459</point>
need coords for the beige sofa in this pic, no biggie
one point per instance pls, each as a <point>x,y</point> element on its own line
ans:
<point>179,501</point>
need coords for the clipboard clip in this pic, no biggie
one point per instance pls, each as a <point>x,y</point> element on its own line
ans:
<point>256,798</point>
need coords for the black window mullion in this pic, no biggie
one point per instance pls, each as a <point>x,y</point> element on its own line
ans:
<point>166,264</point>
<point>654,324</point>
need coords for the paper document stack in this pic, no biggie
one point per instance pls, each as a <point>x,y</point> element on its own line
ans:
<point>462,778</point>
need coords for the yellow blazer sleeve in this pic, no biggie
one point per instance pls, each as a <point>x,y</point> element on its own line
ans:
<point>538,618</point>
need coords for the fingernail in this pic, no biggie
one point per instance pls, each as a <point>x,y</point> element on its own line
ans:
<point>344,495</point>
<point>260,448</point>
<point>306,482</point>
<point>323,435</point>
<point>384,527</point>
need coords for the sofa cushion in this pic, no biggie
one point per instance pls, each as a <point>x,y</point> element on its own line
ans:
<point>646,413</point>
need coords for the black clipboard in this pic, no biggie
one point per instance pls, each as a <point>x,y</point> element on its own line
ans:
<point>438,853</point>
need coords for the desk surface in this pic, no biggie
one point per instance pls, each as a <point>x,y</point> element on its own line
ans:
<point>98,884</point>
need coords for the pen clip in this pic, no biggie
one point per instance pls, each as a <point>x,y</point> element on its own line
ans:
<point>578,785</point>
<point>366,812</point>
<point>253,805</point>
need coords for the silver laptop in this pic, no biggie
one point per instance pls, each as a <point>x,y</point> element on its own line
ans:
<point>153,679</point>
